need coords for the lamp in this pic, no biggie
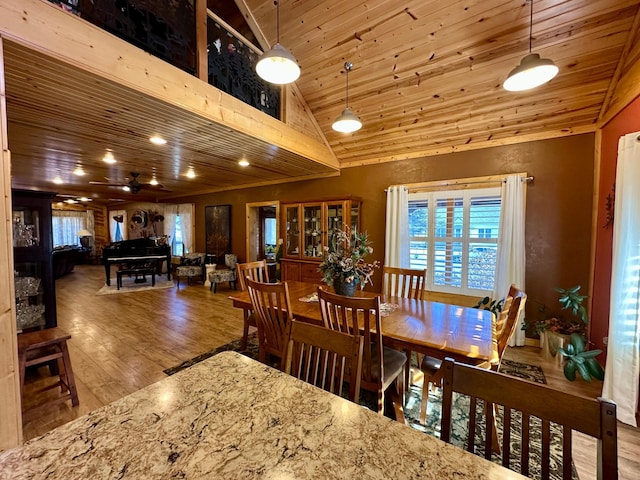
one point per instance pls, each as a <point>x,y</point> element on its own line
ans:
<point>85,237</point>
<point>533,71</point>
<point>278,65</point>
<point>347,121</point>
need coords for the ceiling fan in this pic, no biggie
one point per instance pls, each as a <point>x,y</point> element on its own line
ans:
<point>133,185</point>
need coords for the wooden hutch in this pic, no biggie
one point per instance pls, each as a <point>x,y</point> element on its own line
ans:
<point>308,227</point>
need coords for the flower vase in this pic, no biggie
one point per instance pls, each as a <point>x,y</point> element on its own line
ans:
<point>341,287</point>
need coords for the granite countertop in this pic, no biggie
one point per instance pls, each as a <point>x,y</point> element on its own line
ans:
<point>232,417</point>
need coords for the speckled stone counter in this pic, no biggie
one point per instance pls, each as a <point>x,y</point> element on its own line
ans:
<point>231,417</point>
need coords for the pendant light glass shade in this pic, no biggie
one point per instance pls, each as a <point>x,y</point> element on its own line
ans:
<point>347,121</point>
<point>533,71</point>
<point>278,65</point>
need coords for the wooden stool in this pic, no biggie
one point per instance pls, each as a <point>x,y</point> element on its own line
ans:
<point>43,346</point>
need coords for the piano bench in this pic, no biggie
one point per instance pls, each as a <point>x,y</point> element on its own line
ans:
<point>136,272</point>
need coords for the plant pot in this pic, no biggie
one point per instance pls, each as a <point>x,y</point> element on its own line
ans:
<point>550,342</point>
<point>341,287</point>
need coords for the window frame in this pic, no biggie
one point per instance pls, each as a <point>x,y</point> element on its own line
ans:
<point>466,195</point>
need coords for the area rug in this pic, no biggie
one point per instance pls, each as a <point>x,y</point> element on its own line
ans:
<point>129,285</point>
<point>461,408</point>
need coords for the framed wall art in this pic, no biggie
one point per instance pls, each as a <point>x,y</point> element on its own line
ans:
<point>217,220</point>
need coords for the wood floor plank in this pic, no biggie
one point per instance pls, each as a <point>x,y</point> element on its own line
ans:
<point>121,343</point>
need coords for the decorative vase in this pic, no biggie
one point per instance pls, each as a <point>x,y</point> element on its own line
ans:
<point>341,287</point>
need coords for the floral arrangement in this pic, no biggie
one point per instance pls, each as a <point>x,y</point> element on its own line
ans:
<point>344,258</point>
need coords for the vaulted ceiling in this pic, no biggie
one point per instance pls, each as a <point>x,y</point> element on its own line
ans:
<point>427,79</point>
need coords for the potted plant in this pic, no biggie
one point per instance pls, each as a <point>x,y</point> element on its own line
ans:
<point>565,334</point>
<point>343,262</point>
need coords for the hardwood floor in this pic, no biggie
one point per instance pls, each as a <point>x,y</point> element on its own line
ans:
<point>121,343</point>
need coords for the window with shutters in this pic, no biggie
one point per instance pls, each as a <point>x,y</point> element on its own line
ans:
<point>454,235</point>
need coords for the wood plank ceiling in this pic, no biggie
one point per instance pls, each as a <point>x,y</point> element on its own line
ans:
<point>427,79</point>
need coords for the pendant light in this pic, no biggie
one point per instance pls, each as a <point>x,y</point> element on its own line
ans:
<point>347,121</point>
<point>533,71</point>
<point>278,65</point>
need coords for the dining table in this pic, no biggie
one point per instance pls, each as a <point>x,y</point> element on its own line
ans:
<point>431,328</point>
<point>231,417</point>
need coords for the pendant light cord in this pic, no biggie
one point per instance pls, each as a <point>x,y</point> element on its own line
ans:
<point>530,25</point>
<point>347,66</point>
<point>278,22</point>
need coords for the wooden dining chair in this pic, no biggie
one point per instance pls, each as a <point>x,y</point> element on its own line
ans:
<point>505,327</point>
<point>404,283</point>
<point>258,272</point>
<point>381,366</point>
<point>323,357</point>
<point>596,418</point>
<point>272,309</point>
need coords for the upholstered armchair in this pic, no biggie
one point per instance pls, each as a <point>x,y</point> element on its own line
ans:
<point>191,266</point>
<point>224,274</point>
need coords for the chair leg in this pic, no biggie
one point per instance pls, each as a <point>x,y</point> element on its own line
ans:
<point>71,382</point>
<point>245,331</point>
<point>425,399</point>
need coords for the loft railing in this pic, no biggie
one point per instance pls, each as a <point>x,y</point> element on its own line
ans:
<point>167,30</point>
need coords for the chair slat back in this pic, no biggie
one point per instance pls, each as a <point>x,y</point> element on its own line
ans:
<point>404,282</point>
<point>256,271</point>
<point>511,324</point>
<point>272,306</point>
<point>596,418</point>
<point>357,316</point>
<point>323,357</point>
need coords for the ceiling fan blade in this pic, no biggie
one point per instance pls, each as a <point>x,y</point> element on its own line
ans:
<point>108,184</point>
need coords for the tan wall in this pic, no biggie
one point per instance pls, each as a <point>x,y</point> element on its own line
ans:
<point>559,203</point>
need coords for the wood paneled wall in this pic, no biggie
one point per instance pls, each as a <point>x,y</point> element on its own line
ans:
<point>10,409</point>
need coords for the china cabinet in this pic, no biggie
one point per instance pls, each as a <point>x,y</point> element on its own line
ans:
<point>32,259</point>
<point>308,227</point>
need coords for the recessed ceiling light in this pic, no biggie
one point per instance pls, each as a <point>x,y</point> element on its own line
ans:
<point>79,171</point>
<point>244,163</point>
<point>58,180</point>
<point>70,200</point>
<point>126,188</point>
<point>153,181</point>
<point>108,157</point>
<point>84,199</point>
<point>156,140</point>
<point>191,173</point>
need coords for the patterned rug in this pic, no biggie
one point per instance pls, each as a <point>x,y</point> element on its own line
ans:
<point>461,408</point>
<point>129,285</point>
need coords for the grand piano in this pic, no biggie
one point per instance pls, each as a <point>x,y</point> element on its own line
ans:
<point>140,251</point>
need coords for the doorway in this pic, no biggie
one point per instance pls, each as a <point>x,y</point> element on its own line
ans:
<point>263,230</point>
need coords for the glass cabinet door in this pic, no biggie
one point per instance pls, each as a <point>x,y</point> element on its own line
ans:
<point>312,239</point>
<point>26,227</point>
<point>292,231</point>
<point>335,219</point>
<point>355,217</point>
<point>30,308</point>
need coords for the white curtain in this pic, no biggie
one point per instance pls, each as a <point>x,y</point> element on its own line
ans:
<point>622,370</point>
<point>396,239</point>
<point>510,264</point>
<point>186,221</point>
<point>66,225</point>
<point>91,226</point>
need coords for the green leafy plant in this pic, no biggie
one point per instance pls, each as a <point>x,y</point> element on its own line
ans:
<point>571,300</point>
<point>579,360</point>
<point>488,303</point>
